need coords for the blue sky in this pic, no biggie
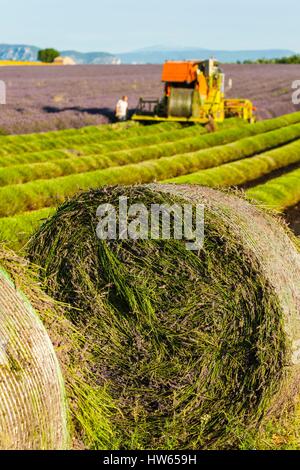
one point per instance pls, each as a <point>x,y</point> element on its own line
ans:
<point>123,25</point>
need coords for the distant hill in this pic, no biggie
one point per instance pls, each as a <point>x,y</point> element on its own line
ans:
<point>156,55</point>
<point>91,57</point>
<point>18,52</point>
<point>150,55</point>
<point>29,53</point>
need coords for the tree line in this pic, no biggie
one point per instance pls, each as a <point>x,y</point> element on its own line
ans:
<point>294,59</point>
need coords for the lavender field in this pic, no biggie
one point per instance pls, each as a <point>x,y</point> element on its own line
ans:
<point>46,98</point>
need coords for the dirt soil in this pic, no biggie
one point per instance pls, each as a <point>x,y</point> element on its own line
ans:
<point>292,216</point>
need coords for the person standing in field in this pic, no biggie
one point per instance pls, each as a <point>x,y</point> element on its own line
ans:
<point>122,109</point>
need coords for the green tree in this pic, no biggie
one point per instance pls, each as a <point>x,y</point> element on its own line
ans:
<point>48,55</point>
<point>294,59</point>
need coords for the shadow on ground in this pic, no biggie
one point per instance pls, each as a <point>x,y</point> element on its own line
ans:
<point>106,112</point>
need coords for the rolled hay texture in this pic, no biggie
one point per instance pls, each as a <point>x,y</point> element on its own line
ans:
<point>243,171</point>
<point>39,409</point>
<point>62,141</point>
<point>33,413</point>
<point>37,194</point>
<point>194,348</point>
<point>278,193</point>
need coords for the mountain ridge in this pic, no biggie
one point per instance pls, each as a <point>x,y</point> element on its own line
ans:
<point>149,55</point>
<point>159,56</point>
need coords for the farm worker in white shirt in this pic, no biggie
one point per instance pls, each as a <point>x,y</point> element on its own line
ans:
<point>122,109</point>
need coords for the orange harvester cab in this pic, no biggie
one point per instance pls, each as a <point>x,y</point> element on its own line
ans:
<point>184,72</point>
<point>179,72</point>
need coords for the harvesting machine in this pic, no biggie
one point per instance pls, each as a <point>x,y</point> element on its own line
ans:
<point>194,92</point>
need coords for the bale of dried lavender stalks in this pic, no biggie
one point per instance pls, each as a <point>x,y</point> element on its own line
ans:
<point>193,348</point>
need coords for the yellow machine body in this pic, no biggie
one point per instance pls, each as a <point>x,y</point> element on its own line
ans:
<point>194,92</point>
